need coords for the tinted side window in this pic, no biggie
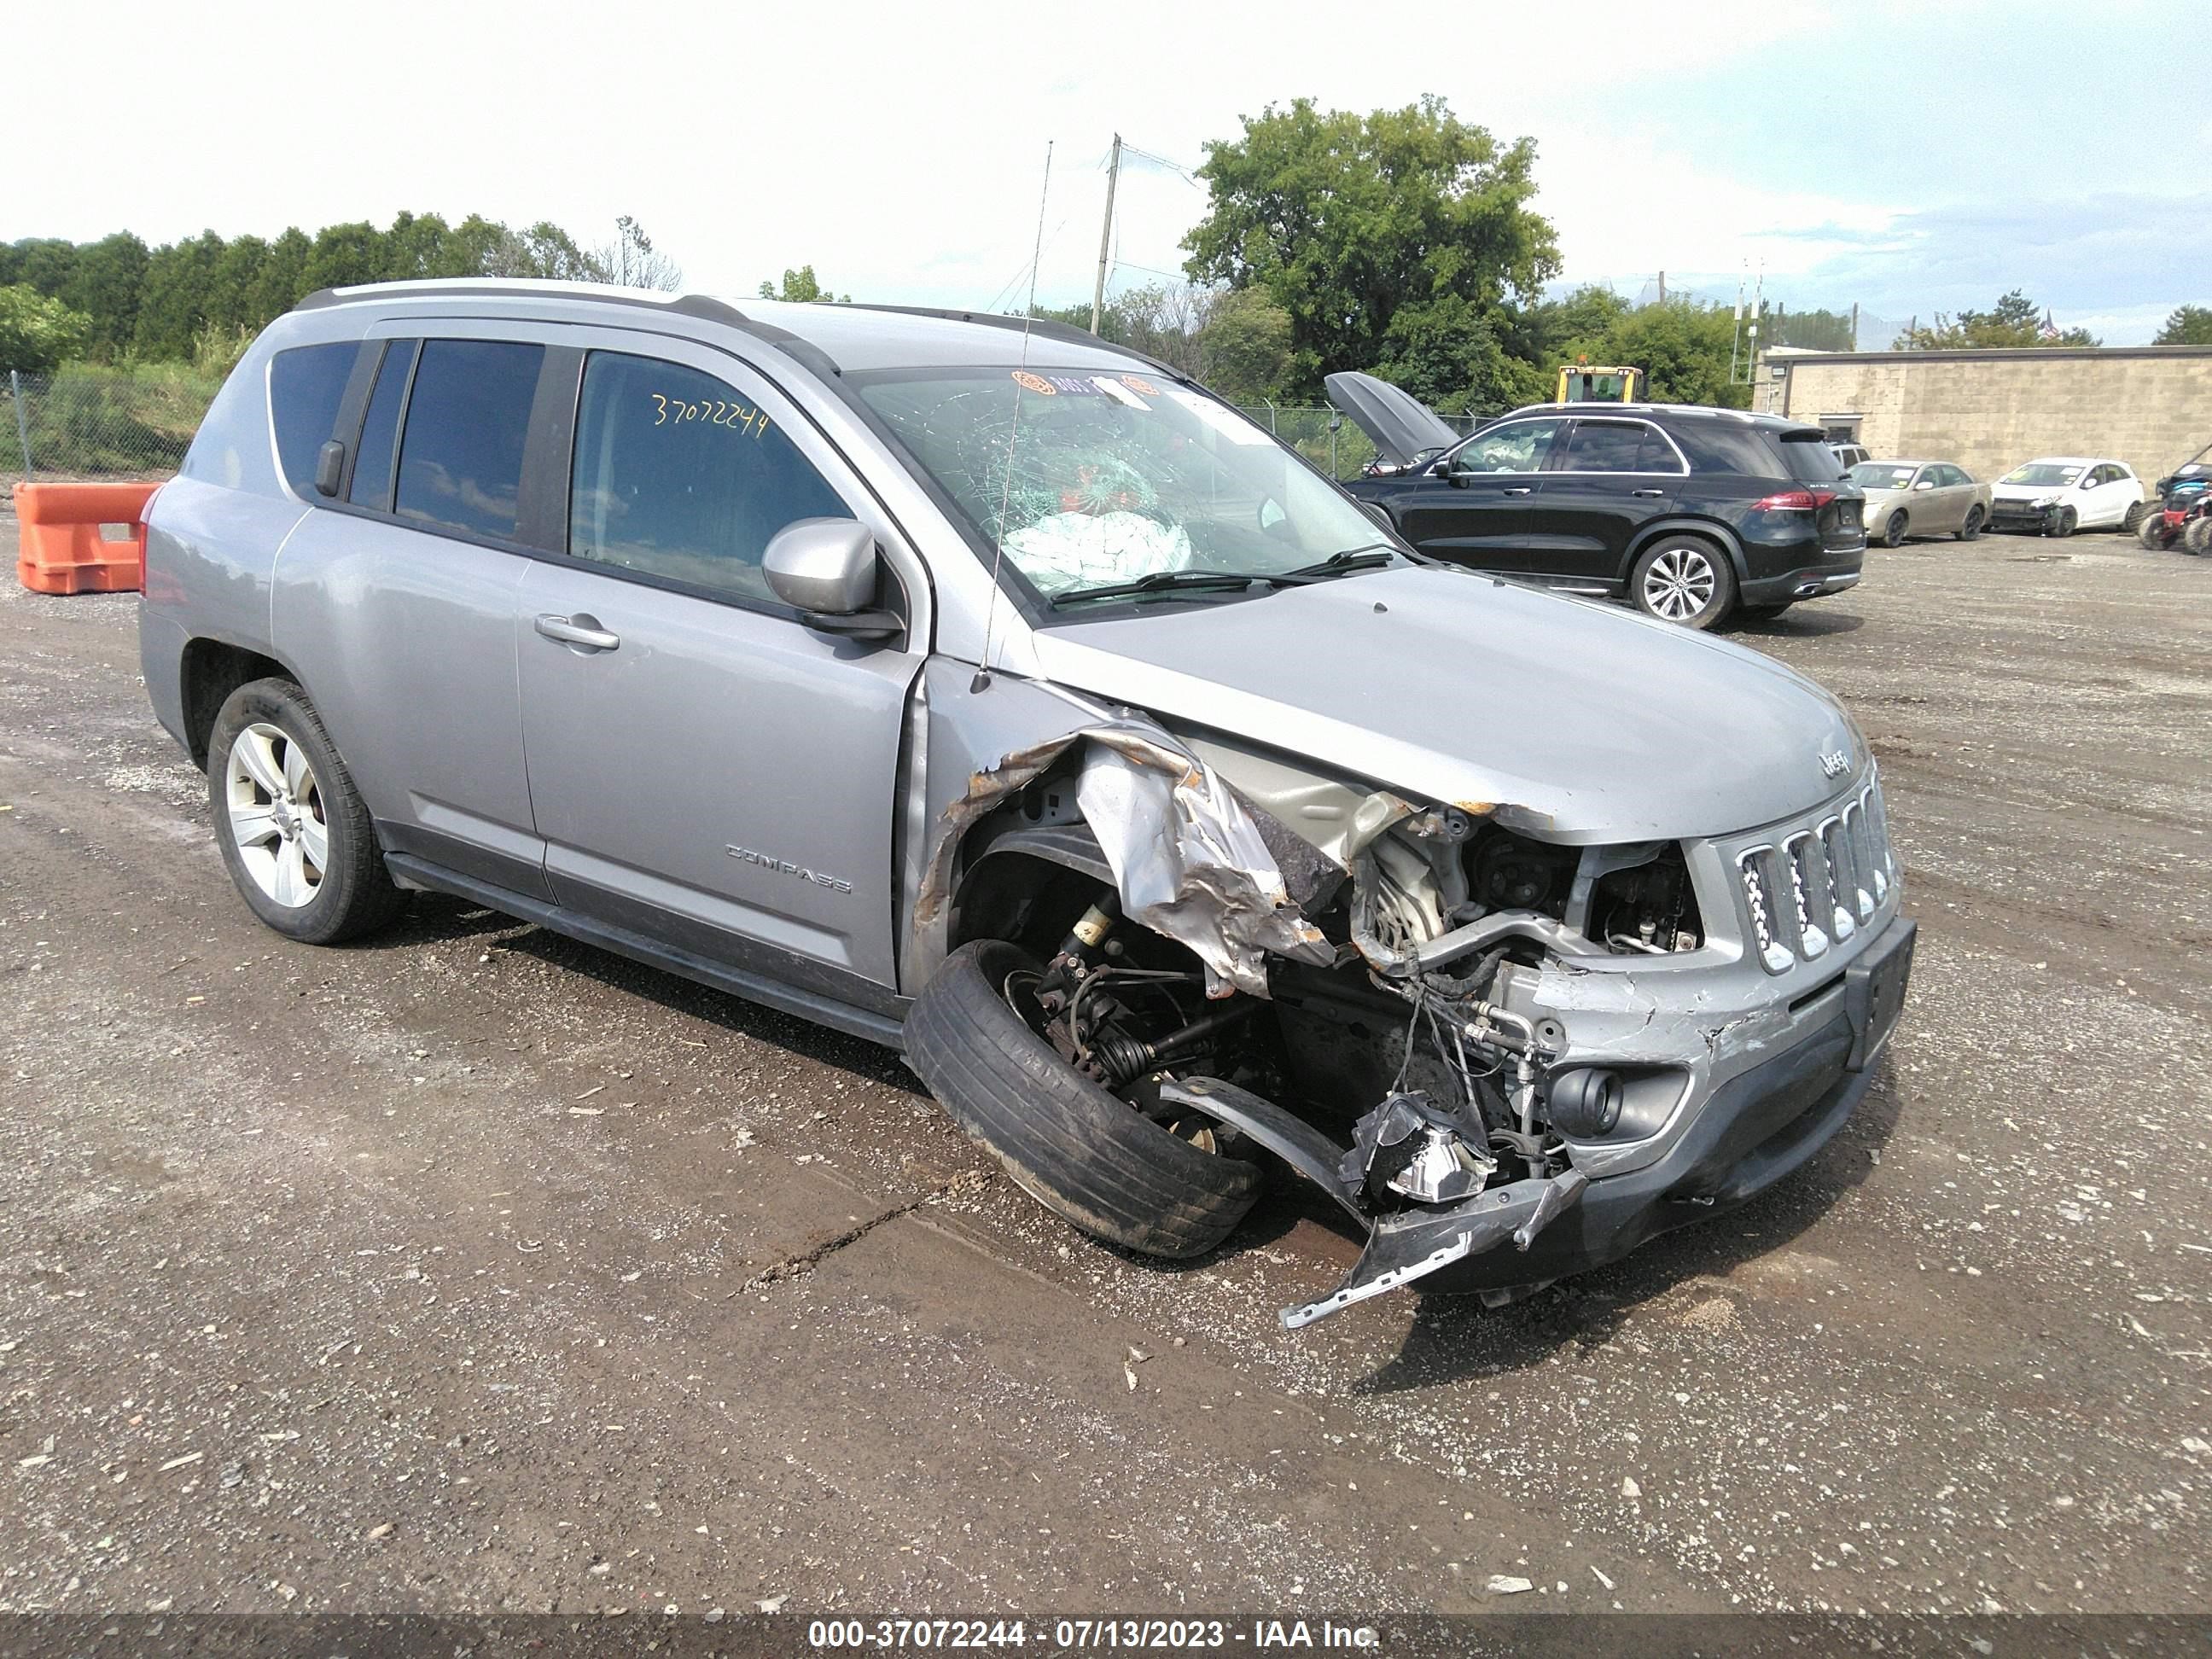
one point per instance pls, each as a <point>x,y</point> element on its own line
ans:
<point>460,462</point>
<point>677,476</point>
<point>1721,446</point>
<point>306,385</point>
<point>1605,446</point>
<point>379,431</point>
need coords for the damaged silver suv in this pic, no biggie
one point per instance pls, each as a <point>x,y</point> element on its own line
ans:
<point>1007,699</point>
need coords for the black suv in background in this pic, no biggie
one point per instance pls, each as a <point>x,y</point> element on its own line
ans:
<point>1688,513</point>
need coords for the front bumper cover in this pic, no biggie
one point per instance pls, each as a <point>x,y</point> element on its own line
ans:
<point>1759,1127</point>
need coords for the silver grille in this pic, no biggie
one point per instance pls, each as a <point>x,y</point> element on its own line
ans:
<point>1815,886</point>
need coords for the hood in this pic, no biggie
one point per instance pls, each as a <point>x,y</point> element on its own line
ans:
<point>1404,427</point>
<point>1575,722</point>
<point>2026,492</point>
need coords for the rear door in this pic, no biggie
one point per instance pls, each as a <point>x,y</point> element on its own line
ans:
<point>1609,478</point>
<point>396,600</point>
<point>1474,508</point>
<point>707,771</point>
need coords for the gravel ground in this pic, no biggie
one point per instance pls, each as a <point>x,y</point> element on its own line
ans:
<point>472,1270</point>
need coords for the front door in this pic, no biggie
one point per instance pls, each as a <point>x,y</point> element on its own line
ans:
<point>705,768</point>
<point>1476,508</point>
<point>1613,477</point>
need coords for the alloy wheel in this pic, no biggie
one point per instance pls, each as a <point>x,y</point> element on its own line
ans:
<point>1679,584</point>
<point>276,817</point>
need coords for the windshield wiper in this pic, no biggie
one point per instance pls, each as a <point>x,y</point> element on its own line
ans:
<point>1159,581</point>
<point>1373,556</point>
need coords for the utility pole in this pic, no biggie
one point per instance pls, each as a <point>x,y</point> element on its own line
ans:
<point>1854,325</point>
<point>1663,287</point>
<point>1106,235</point>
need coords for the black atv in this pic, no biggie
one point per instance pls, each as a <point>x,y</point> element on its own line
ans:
<point>2183,515</point>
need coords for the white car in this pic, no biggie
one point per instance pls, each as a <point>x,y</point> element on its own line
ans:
<point>2062,493</point>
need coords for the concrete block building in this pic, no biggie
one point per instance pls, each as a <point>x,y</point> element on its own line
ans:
<point>1989,411</point>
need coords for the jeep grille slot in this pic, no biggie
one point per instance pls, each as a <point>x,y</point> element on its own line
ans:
<point>1819,883</point>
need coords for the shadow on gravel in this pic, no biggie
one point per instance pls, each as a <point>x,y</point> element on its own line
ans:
<point>1453,1338</point>
<point>1797,623</point>
<point>436,917</point>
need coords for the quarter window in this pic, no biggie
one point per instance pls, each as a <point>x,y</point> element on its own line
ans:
<point>306,385</point>
<point>460,461</point>
<point>679,476</point>
<point>1520,446</point>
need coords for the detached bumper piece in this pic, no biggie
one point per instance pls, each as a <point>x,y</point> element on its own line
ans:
<point>1414,1243</point>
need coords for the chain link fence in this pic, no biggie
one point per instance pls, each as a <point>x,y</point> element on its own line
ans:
<point>89,422</point>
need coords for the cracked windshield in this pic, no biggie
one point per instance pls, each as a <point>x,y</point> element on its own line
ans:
<point>1119,482</point>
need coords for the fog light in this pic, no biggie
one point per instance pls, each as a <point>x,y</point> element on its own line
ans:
<point>1586,1103</point>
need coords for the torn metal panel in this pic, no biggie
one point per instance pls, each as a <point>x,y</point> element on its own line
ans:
<point>1415,1243</point>
<point>1189,859</point>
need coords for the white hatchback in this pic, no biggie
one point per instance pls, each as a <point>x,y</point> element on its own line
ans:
<point>2061,494</point>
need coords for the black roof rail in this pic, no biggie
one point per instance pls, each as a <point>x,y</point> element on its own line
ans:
<point>704,307</point>
<point>1067,333</point>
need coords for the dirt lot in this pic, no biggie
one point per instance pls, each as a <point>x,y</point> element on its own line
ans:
<point>474,1270</point>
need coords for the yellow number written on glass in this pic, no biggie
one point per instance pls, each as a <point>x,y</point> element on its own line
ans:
<point>738,417</point>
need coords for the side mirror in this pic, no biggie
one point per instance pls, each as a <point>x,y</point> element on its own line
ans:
<point>1925,483</point>
<point>825,568</point>
<point>1375,511</point>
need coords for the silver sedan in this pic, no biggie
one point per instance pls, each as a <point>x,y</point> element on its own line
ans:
<point>1921,498</point>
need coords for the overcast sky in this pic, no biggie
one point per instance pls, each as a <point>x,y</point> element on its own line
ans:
<point>1910,158</point>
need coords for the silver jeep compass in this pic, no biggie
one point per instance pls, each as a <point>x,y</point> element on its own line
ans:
<point>1008,699</point>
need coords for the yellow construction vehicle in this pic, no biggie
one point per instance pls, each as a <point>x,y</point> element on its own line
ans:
<point>1582,383</point>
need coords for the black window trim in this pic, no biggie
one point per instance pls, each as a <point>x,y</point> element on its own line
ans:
<point>354,427</point>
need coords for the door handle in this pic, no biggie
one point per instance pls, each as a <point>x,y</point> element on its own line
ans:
<point>584,631</point>
<point>1655,494</point>
<point>1517,490</point>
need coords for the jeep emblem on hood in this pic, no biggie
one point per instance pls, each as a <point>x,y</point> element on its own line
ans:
<point>1834,762</point>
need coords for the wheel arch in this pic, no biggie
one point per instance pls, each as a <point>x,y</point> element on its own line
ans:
<point>208,671</point>
<point>1706,529</point>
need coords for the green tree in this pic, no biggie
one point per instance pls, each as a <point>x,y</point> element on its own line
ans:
<point>234,290</point>
<point>1682,347</point>
<point>1244,350</point>
<point>2014,320</point>
<point>801,287</point>
<point>282,281</point>
<point>172,304</point>
<point>345,255</point>
<point>37,332</point>
<point>45,262</point>
<point>1346,221</point>
<point>2189,326</point>
<point>106,283</point>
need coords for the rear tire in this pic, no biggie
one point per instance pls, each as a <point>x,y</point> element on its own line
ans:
<point>1684,580</point>
<point>2196,537</point>
<point>1893,533</point>
<point>1972,528</point>
<point>2153,533</point>
<point>295,834</point>
<point>1091,1159</point>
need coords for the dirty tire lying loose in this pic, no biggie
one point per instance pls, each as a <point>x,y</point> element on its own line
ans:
<point>1089,1159</point>
<point>296,834</point>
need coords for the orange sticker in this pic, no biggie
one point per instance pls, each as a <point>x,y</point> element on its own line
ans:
<point>1143,388</point>
<point>1036,383</point>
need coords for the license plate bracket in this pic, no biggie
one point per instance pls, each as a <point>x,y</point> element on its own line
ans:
<point>1873,994</point>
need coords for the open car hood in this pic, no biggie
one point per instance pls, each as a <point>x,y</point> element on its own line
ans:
<point>1574,722</point>
<point>1404,427</point>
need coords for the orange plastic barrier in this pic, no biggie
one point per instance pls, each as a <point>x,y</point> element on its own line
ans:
<point>61,549</point>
